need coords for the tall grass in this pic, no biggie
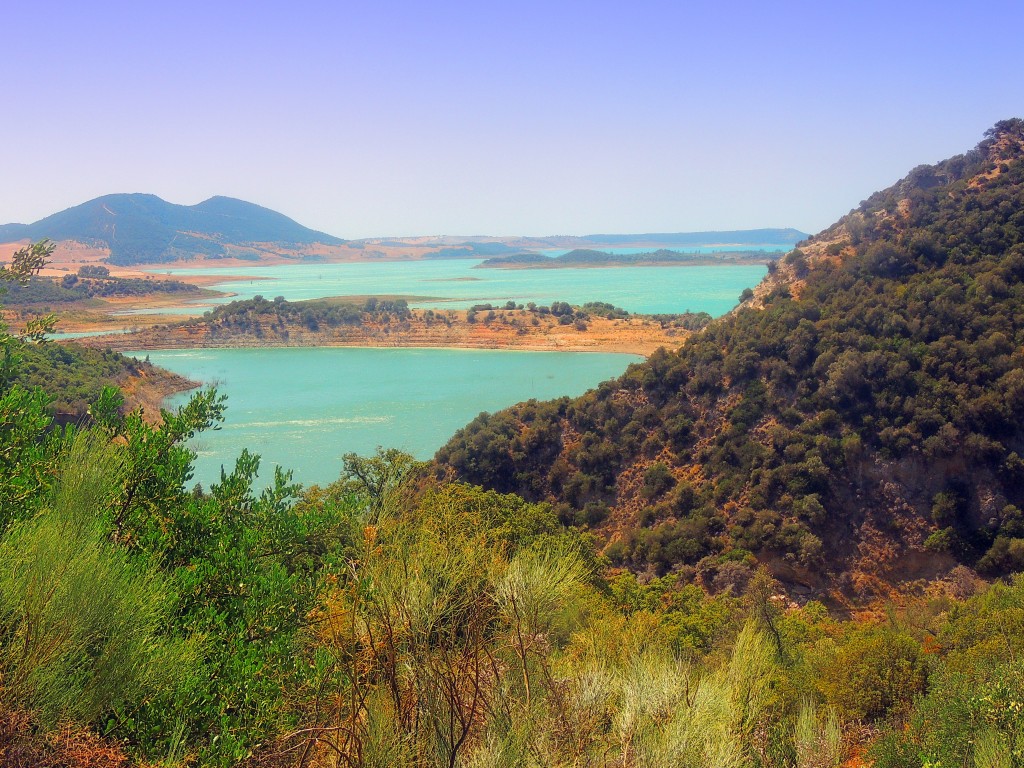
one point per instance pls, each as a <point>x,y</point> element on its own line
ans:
<point>991,750</point>
<point>818,740</point>
<point>81,621</point>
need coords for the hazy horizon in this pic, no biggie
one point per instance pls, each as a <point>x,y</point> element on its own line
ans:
<point>402,120</point>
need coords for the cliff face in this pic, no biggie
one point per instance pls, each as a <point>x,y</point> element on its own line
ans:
<point>857,424</point>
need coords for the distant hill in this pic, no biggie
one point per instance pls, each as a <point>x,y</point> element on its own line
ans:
<point>481,246</point>
<point>471,250</point>
<point>857,423</point>
<point>141,228</point>
<point>587,257</point>
<point>723,237</point>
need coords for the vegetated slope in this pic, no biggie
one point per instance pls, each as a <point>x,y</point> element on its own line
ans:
<point>140,228</point>
<point>73,376</point>
<point>72,288</point>
<point>858,423</point>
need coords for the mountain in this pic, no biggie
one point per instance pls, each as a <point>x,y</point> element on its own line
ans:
<point>857,423</point>
<point>587,257</point>
<point>140,228</point>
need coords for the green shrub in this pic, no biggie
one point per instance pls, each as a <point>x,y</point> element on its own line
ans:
<point>84,624</point>
<point>657,480</point>
<point>872,674</point>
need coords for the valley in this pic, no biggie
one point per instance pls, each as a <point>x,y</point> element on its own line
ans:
<point>512,385</point>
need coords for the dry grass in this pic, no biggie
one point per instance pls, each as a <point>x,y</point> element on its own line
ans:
<point>23,746</point>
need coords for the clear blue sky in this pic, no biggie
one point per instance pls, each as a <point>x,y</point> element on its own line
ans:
<point>491,117</point>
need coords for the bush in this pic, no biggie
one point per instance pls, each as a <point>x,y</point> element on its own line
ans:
<point>657,480</point>
<point>874,673</point>
<point>82,621</point>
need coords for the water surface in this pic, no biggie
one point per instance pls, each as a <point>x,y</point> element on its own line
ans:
<point>456,284</point>
<point>303,408</point>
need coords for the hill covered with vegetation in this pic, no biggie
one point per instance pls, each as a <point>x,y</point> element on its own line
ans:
<point>141,228</point>
<point>89,283</point>
<point>857,423</point>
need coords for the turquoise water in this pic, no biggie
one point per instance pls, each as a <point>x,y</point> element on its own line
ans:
<point>303,408</point>
<point>456,284</point>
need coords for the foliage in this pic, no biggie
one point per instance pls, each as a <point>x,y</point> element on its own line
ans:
<point>27,452</point>
<point>41,290</point>
<point>905,350</point>
<point>871,674</point>
<point>81,622</point>
<point>257,314</point>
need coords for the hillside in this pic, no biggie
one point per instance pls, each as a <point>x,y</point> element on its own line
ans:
<point>73,376</point>
<point>857,424</point>
<point>137,229</point>
<point>141,228</point>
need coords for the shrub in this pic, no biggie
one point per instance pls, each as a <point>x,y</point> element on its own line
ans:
<point>83,621</point>
<point>872,674</point>
<point>657,480</point>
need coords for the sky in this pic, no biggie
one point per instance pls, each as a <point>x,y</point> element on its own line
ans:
<point>366,119</point>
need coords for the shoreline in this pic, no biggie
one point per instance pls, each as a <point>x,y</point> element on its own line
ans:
<point>150,387</point>
<point>429,329</point>
<point>625,349</point>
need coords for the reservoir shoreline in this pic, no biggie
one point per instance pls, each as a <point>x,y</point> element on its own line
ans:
<point>508,330</point>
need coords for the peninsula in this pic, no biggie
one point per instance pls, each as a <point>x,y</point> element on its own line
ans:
<point>257,322</point>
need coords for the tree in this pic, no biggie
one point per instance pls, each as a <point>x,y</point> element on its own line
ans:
<point>25,263</point>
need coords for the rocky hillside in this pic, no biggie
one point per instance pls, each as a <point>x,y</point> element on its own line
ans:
<point>857,423</point>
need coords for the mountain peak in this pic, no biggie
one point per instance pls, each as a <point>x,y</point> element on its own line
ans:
<point>140,228</point>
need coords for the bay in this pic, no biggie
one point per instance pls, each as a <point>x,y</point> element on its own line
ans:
<point>302,408</point>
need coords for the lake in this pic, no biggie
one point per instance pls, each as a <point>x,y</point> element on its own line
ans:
<point>303,408</point>
<point>456,284</point>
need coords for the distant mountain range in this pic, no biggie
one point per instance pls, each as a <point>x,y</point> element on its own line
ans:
<point>482,246</point>
<point>142,229</point>
<point>586,257</point>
